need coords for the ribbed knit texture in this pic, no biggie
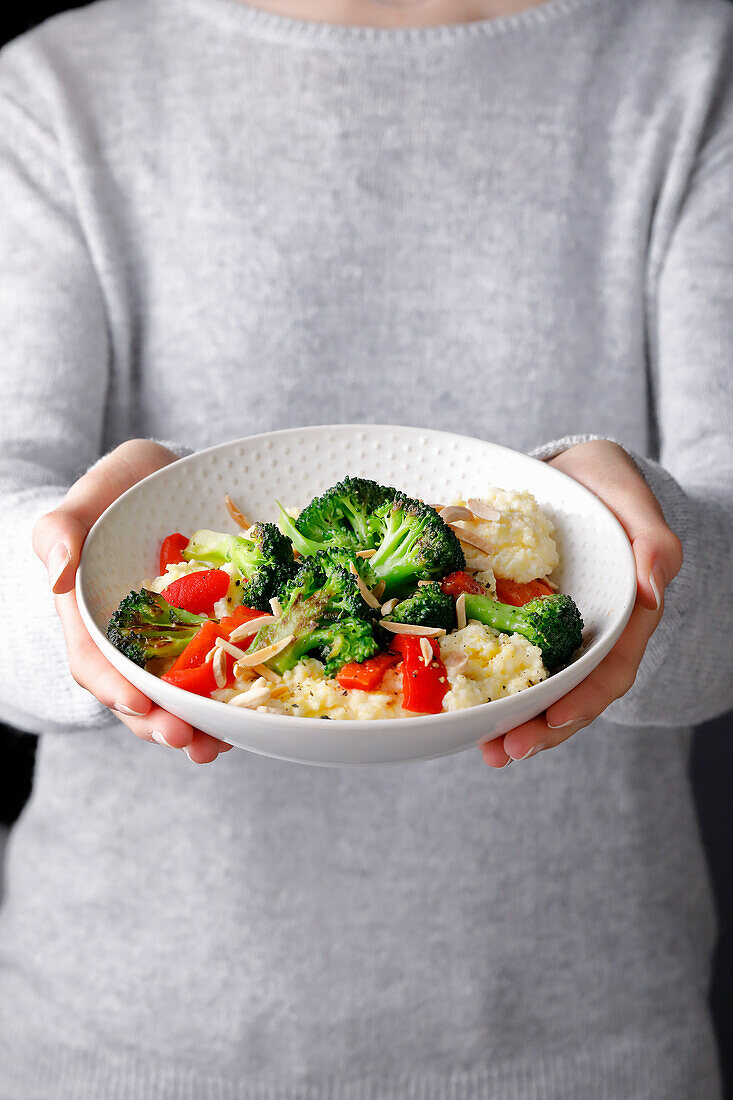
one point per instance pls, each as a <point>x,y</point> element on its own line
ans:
<point>214,221</point>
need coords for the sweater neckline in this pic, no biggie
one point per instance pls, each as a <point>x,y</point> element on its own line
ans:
<point>283,28</point>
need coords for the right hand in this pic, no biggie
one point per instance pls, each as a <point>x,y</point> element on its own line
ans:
<point>57,540</point>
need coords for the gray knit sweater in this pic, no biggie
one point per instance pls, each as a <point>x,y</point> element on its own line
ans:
<point>214,222</point>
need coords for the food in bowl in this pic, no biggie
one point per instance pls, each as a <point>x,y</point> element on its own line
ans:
<point>367,604</point>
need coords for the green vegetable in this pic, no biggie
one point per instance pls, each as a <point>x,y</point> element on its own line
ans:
<point>146,626</point>
<point>342,516</point>
<point>553,623</point>
<point>263,556</point>
<point>428,606</point>
<point>325,611</point>
<point>414,544</point>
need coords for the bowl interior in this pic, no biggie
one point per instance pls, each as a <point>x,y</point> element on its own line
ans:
<point>122,549</point>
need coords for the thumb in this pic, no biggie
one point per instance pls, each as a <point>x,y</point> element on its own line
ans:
<point>57,540</point>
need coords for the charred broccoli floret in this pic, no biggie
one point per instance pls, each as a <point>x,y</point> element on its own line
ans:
<point>263,556</point>
<point>414,544</point>
<point>553,623</point>
<point>342,516</point>
<point>146,626</point>
<point>324,611</point>
<point>428,606</point>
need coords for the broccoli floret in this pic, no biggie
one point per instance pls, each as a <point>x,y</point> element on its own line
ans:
<point>146,626</point>
<point>553,623</point>
<point>414,544</point>
<point>325,612</point>
<point>263,556</point>
<point>342,516</point>
<point>428,606</point>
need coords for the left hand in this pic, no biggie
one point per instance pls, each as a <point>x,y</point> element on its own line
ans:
<point>606,470</point>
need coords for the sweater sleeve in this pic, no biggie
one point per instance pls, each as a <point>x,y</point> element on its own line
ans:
<point>686,675</point>
<point>55,375</point>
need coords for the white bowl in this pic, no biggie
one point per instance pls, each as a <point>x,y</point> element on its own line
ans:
<point>122,550</point>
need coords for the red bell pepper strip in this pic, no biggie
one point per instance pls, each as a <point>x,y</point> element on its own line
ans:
<point>198,592</point>
<point>239,616</point>
<point>171,550</point>
<point>461,581</point>
<point>200,679</point>
<point>195,652</point>
<point>517,594</point>
<point>423,687</point>
<point>366,675</point>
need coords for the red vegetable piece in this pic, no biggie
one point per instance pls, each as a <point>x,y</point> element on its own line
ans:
<point>516,594</point>
<point>171,550</point>
<point>200,680</point>
<point>423,688</point>
<point>198,592</point>
<point>366,675</point>
<point>459,582</point>
<point>239,616</point>
<point>196,650</point>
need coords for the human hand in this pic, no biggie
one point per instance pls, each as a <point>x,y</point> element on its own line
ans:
<point>606,470</point>
<point>57,540</point>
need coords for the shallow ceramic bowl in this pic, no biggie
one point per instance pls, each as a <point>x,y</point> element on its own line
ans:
<point>122,549</point>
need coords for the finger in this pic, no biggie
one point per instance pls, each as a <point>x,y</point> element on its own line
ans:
<point>91,670</point>
<point>163,728</point>
<point>59,535</point>
<point>609,473</point>
<point>612,678</point>
<point>494,754</point>
<point>528,739</point>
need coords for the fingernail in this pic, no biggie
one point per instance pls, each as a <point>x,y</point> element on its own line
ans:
<point>122,709</point>
<point>530,752</point>
<point>58,559</point>
<point>188,754</point>
<point>571,722</point>
<point>159,739</point>
<point>506,763</point>
<point>657,583</point>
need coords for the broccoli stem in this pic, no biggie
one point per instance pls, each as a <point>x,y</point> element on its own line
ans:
<point>500,616</point>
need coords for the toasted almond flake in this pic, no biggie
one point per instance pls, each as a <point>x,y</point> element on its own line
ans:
<point>239,518</point>
<point>410,628</point>
<point>456,662</point>
<point>469,539</point>
<point>379,589</point>
<point>267,673</point>
<point>389,606</point>
<point>366,592</point>
<point>210,654</point>
<point>243,672</point>
<point>455,512</point>
<point>251,627</point>
<point>421,584</point>
<point>261,655</point>
<point>427,651</point>
<point>254,696</point>
<point>482,510</point>
<point>461,610</point>
<point>551,584</point>
<point>220,667</point>
<point>236,652</point>
<point>277,607</point>
<point>365,553</point>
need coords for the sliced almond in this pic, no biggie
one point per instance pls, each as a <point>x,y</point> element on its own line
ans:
<point>243,672</point>
<point>379,589</point>
<point>267,673</point>
<point>469,539</point>
<point>366,592</point>
<point>389,606</point>
<point>427,651</point>
<point>421,584</point>
<point>277,607</point>
<point>249,660</point>
<point>251,627</point>
<point>365,553</point>
<point>236,652</point>
<point>454,512</point>
<point>239,517</point>
<point>482,510</point>
<point>209,656</point>
<point>461,610</point>
<point>220,667</point>
<point>456,662</point>
<point>411,628</point>
<point>254,696</point>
